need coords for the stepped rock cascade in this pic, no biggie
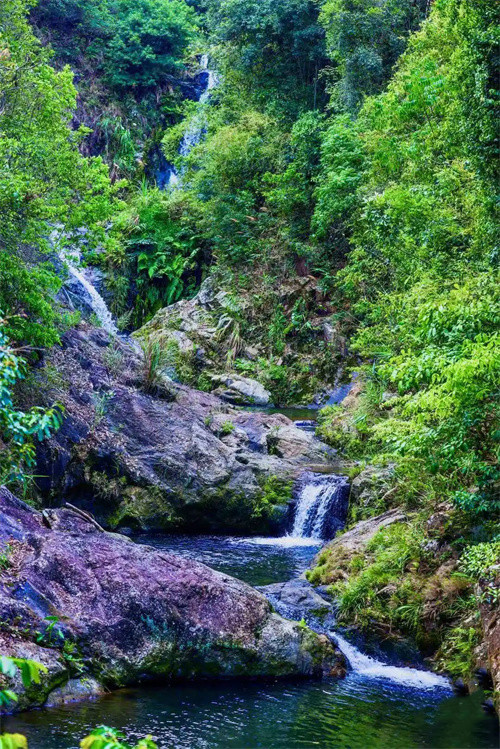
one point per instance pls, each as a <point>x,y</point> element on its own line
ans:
<point>321,507</point>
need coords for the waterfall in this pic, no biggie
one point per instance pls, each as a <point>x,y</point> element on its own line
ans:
<point>321,506</point>
<point>196,128</point>
<point>371,668</point>
<point>81,277</point>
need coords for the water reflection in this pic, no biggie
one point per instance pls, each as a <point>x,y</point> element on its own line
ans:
<point>347,714</point>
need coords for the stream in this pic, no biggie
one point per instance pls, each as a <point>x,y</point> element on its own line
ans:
<point>382,703</point>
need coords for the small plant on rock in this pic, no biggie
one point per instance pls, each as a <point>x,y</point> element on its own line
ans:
<point>156,359</point>
<point>227,428</point>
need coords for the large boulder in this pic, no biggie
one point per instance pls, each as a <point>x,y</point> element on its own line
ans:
<point>128,612</point>
<point>177,457</point>
<point>240,391</point>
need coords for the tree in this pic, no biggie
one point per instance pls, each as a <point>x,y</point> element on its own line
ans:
<point>365,38</point>
<point>279,43</point>
<point>44,181</point>
<point>149,39</point>
<point>19,429</point>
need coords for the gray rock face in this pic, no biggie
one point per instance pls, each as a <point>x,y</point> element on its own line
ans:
<point>240,391</point>
<point>185,459</point>
<point>298,595</point>
<point>372,487</point>
<point>133,612</point>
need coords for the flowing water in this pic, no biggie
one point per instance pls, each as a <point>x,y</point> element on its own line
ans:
<point>381,703</point>
<point>72,259</point>
<point>321,506</point>
<point>196,127</point>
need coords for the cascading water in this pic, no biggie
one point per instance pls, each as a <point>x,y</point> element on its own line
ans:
<point>72,259</point>
<point>321,510</point>
<point>369,667</point>
<point>197,125</point>
<point>321,506</point>
<point>82,281</point>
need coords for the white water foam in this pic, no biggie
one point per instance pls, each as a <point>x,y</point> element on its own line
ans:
<point>286,541</point>
<point>72,260</point>
<point>196,127</point>
<point>371,668</point>
<point>321,506</point>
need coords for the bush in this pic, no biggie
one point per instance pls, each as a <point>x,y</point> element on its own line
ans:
<point>19,429</point>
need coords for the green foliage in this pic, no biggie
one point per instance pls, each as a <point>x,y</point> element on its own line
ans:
<point>43,178</point>
<point>341,174</point>
<point>279,43</point>
<point>457,653</point>
<point>223,181</point>
<point>19,429</point>
<point>13,741</point>
<point>155,362</point>
<point>276,492</point>
<point>361,597</point>
<point>420,274</point>
<point>30,674</point>
<point>365,39</point>
<point>109,738</point>
<point>149,38</point>
<point>478,561</point>
<point>289,193</point>
<point>163,251</point>
<point>5,558</point>
<point>227,428</point>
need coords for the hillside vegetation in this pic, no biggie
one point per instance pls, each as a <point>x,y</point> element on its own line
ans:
<point>342,196</point>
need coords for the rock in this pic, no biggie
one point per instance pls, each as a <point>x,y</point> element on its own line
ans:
<point>371,487</point>
<point>437,523</point>
<point>75,690</point>
<point>487,595</point>
<point>133,612</point>
<point>460,687</point>
<point>357,538</point>
<point>144,461</point>
<point>297,594</point>
<point>240,391</point>
<point>287,441</point>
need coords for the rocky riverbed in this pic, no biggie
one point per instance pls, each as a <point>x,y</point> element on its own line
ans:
<point>99,611</point>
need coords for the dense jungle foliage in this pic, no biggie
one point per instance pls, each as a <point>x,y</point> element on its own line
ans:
<point>347,174</point>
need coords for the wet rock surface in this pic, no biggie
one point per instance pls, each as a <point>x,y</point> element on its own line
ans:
<point>297,594</point>
<point>132,612</point>
<point>174,458</point>
<point>356,539</point>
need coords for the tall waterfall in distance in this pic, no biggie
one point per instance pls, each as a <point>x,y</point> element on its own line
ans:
<point>321,507</point>
<point>197,125</point>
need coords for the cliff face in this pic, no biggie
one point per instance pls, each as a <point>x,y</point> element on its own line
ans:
<point>174,458</point>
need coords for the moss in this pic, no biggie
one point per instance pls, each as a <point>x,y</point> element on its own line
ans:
<point>319,648</point>
<point>400,587</point>
<point>144,508</point>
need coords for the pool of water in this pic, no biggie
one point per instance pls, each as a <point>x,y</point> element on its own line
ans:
<point>346,714</point>
<point>358,712</point>
<point>257,561</point>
